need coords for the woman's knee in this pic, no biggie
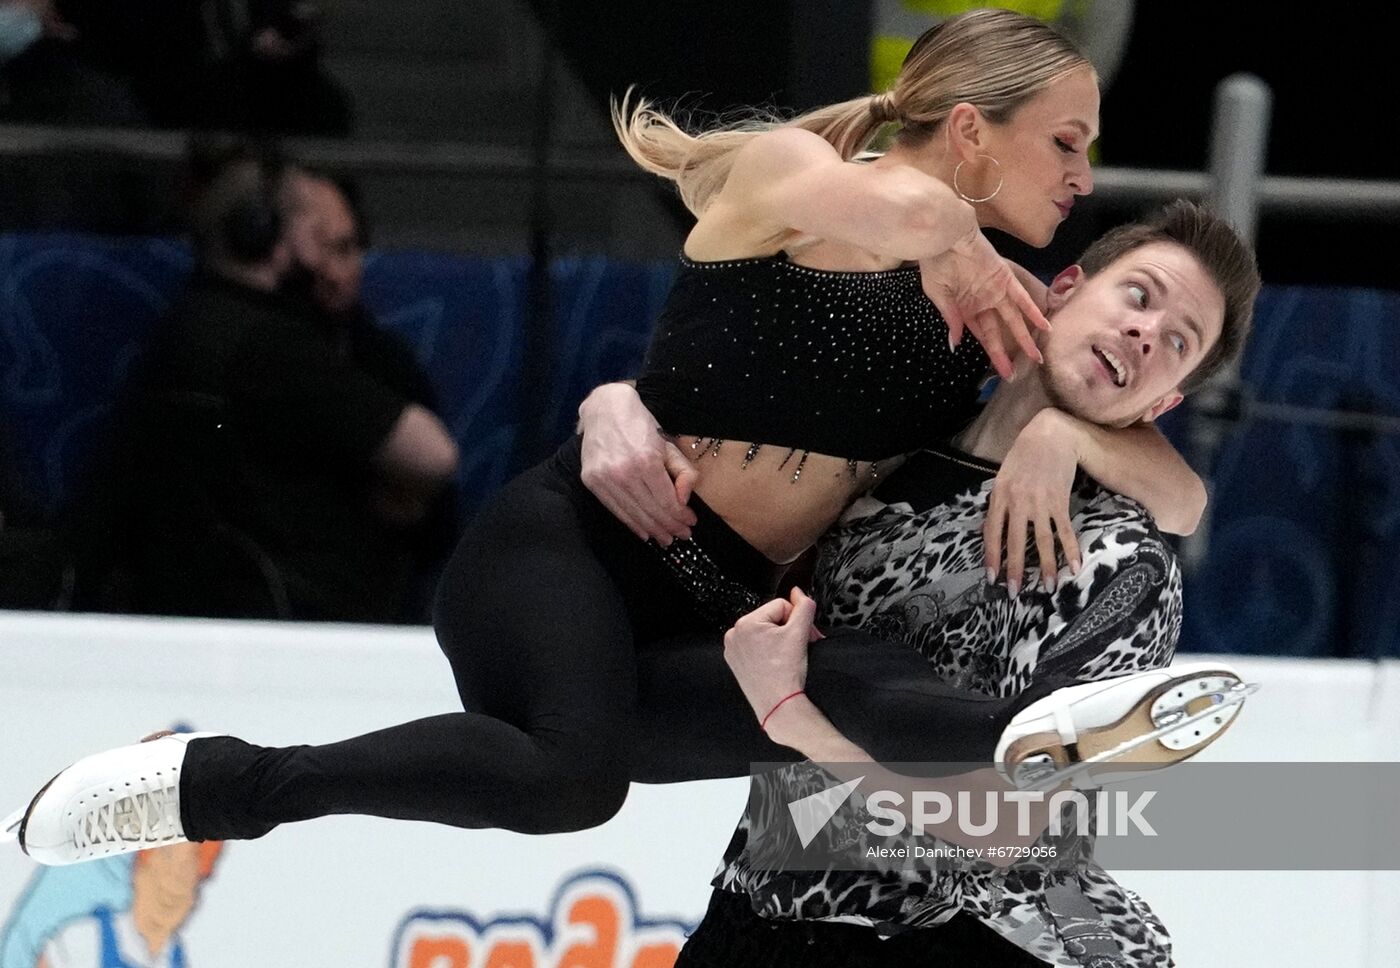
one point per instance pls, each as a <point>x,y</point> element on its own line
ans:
<point>574,797</point>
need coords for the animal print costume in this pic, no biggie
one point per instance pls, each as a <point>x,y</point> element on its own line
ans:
<point>918,576</point>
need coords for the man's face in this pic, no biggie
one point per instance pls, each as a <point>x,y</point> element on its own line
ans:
<point>1123,340</point>
<point>325,239</point>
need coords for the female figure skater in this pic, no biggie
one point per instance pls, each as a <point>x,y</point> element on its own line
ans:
<point>839,354</point>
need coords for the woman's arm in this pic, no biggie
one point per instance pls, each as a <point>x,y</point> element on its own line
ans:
<point>1141,463</point>
<point>767,652</point>
<point>1032,488</point>
<point>789,180</point>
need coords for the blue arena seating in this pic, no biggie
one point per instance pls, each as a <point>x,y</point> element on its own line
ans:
<point>1305,521</point>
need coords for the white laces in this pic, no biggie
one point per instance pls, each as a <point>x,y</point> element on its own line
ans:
<point>148,814</point>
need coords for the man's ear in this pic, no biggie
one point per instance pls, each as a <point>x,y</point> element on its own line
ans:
<point>1168,402</point>
<point>1061,286</point>
<point>965,130</point>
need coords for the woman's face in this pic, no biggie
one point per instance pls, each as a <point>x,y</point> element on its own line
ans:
<point>1043,151</point>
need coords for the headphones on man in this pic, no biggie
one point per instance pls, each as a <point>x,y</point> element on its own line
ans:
<point>252,227</point>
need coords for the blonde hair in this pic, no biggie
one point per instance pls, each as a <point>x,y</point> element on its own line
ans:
<point>995,60</point>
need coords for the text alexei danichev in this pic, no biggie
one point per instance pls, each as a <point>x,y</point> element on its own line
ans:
<point>954,852</point>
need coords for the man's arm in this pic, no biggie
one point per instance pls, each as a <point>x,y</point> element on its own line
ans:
<point>416,461</point>
<point>767,652</point>
<point>1119,614</point>
<point>1140,462</point>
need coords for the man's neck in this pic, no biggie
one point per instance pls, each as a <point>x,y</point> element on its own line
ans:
<point>1011,407</point>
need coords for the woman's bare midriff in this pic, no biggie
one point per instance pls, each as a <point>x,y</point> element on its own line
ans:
<point>775,514</point>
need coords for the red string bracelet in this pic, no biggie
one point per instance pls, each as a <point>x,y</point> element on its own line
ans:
<point>791,695</point>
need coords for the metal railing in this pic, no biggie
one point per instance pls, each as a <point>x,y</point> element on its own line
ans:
<point>1236,184</point>
<point>1239,189</point>
<point>1352,198</point>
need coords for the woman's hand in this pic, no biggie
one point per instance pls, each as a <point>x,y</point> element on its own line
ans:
<point>1037,290</point>
<point>631,468</point>
<point>767,650</point>
<point>1031,492</point>
<point>975,290</point>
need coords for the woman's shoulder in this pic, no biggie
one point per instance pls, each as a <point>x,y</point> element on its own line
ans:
<point>786,145</point>
<point>769,161</point>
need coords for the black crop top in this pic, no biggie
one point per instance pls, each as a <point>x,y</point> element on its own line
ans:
<point>849,364</point>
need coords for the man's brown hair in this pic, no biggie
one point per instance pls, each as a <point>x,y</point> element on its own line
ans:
<point>1227,258</point>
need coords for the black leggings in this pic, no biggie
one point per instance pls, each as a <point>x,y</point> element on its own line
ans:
<point>555,621</point>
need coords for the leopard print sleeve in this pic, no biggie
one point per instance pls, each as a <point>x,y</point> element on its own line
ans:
<point>918,578</point>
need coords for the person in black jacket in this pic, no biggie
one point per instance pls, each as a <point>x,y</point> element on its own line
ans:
<point>329,238</point>
<point>251,448</point>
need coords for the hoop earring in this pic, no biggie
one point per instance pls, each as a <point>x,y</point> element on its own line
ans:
<point>1001,179</point>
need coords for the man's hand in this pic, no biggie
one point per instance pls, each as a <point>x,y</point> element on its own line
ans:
<point>634,471</point>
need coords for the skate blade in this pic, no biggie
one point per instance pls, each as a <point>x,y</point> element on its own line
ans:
<point>1052,781</point>
<point>9,827</point>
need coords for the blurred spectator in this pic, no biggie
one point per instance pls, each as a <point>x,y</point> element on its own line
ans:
<point>233,65</point>
<point>47,76</point>
<point>252,454</point>
<point>271,75</point>
<point>329,237</point>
